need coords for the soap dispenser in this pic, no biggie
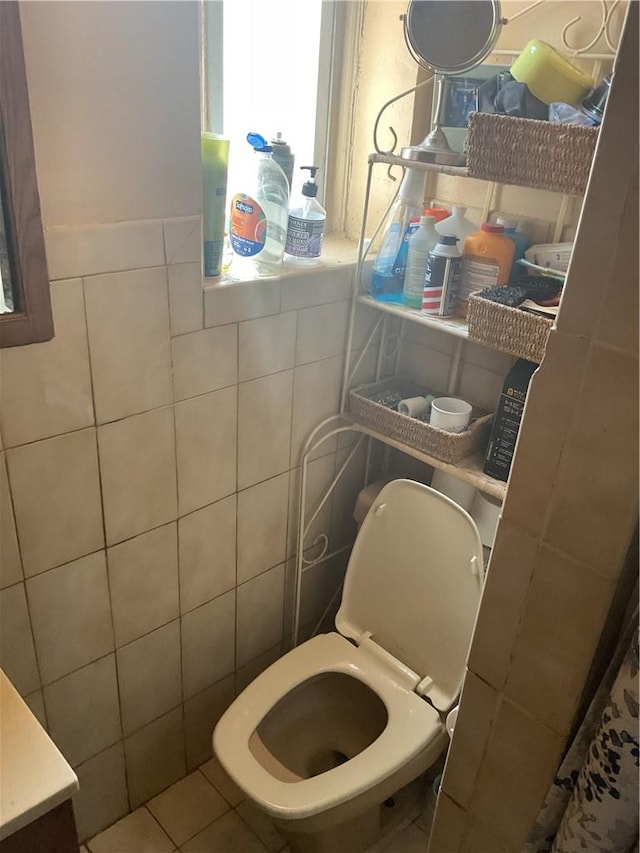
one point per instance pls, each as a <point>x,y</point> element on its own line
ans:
<point>305,231</point>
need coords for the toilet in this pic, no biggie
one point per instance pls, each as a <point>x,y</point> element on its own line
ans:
<point>328,733</point>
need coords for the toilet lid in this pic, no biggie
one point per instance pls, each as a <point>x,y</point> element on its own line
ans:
<point>414,582</point>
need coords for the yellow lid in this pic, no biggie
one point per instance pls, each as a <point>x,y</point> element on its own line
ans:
<point>549,75</point>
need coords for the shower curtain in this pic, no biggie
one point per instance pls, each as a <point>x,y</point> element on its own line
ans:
<point>592,804</point>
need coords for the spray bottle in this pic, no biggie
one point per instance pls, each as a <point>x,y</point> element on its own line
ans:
<point>306,223</point>
<point>387,282</point>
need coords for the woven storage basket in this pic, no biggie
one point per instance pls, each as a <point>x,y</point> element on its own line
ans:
<point>530,153</point>
<point>509,330</point>
<point>448,446</point>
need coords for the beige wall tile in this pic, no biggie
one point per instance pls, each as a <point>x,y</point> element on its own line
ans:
<point>594,506</point>
<point>448,828</point>
<point>17,654</point>
<point>364,322</point>
<point>262,526</point>
<point>316,287</point>
<point>322,332</point>
<point>10,562</point>
<point>207,548</point>
<point>102,798</point>
<point>84,712</point>
<point>426,366</point>
<point>266,345</point>
<point>128,323</point>
<point>250,671</point>
<point>143,579</point>
<point>505,590</point>
<point>618,322</point>
<point>316,396</point>
<point>155,757</point>
<point>204,361</point>
<point>481,387</point>
<point>320,473</point>
<point>71,616</point>
<point>187,807</point>
<point>186,300</point>
<point>35,701</point>
<point>104,248</point>
<point>518,767</point>
<point>149,677</point>
<point>547,414</point>
<point>56,498</point>
<point>478,709</point>
<point>201,713</point>
<point>137,466</point>
<point>208,643</point>
<point>260,613</point>
<point>264,427</point>
<point>561,625</point>
<point>206,430</point>
<point>232,303</point>
<point>183,240</point>
<point>46,387</point>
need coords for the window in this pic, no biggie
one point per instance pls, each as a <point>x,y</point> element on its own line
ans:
<point>278,67</point>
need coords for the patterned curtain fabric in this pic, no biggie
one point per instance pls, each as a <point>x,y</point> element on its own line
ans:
<point>593,803</point>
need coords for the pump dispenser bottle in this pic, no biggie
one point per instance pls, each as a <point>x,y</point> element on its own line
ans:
<point>258,217</point>
<point>305,231</point>
<point>387,283</point>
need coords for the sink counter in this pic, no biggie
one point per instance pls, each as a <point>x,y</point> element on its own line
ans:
<point>34,775</point>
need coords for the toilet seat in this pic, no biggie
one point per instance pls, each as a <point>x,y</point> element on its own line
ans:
<point>412,726</point>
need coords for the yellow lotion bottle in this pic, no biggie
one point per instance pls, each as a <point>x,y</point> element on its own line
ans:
<point>215,159</point>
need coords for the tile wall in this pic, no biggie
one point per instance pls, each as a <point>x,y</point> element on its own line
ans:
<point>149,475</point>
<point>568,518</point>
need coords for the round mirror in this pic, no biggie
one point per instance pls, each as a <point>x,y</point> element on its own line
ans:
<point>448,37</point>
<point>451,36</point>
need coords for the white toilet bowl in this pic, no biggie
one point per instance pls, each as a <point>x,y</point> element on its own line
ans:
<point>331,730</point>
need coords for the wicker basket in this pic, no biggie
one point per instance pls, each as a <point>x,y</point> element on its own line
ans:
<point>447,446</point>
<point>509,330</point>
<point>530,153</point>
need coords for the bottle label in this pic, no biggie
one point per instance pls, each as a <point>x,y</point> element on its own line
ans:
<point>477,274</point>
<point>304,237</point>
<point>441,285</point>
<point>248,231</point>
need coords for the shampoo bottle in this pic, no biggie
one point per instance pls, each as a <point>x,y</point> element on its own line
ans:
<point>215,157</point>
<point>258,217</point>
<point>305,230</point>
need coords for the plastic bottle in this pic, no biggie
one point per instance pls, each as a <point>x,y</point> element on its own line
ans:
<point>438,213</point>
<point>456,225</point>
<point>442,279</point>
<point>215,159</point>
<point>305,230</point>
<point>258,218</point>
<point>521,242</point>
<point>487,258</point>
<point>387,282</point>
<point>420,244</point>
<point>283,156</point>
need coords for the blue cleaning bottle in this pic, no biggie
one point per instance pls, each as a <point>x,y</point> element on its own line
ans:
<point>387,283</point>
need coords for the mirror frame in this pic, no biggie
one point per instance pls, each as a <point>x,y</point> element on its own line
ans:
<point>32,322</point>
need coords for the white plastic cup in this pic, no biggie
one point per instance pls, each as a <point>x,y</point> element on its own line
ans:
<point>450,414</point>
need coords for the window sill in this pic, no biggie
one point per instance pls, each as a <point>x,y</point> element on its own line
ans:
<point>337,252</point>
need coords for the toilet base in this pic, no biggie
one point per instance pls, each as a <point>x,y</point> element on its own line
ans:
<point>362,831</point>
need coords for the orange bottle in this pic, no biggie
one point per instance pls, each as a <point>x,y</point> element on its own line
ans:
<point>487,256</point>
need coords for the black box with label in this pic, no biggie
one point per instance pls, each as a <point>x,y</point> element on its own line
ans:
<point>504,432</point>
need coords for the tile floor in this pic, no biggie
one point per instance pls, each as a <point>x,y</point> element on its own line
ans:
<point>206,813</point>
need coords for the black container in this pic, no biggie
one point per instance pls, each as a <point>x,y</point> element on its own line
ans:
<point>593,105</point>
<point>506,423</point>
